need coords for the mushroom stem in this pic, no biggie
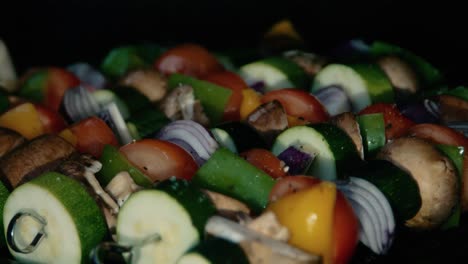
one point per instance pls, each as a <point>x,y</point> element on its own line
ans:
<point>121,186</point>
<point>91,179</point>
<point>259,247</point>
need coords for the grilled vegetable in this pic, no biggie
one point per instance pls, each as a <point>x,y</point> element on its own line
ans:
<point>52,219</point>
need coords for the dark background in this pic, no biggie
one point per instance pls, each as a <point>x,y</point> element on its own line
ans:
<point>53,32</point>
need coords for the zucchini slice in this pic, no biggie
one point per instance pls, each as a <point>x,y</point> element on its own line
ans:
<point>364,84</point>
<point>276,73</point>
<point>63,211</point>
<point>154,212</point>
<point>398,186</point>
<point>333,149</point>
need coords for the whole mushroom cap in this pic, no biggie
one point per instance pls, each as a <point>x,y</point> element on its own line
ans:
<point>435,175</point>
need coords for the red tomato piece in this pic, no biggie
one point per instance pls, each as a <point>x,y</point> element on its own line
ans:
<point>159,159</point>
<point>189,59</point>
<point>291,184</point>
<point>236,84</point>
<point>396,124</point>
<point>58,81</point>
<point>345,230</point>
<point>52,121</point>
<point>299,103</point>
<point>438,134</point>
<point>266,161</point>
<point>92,134</point>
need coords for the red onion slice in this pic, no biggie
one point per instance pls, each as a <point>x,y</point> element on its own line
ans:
<point>461,126</point>
<point>189,137</point>
<point>205,133</point>
<point>426,111</point>
<point>373,211</point>
<point>202,145</point>
<point>335,100</point>
<point>297,161</point>
<point>79,104</point>
<point>88,75</point>
<point>258,86</point>
<point>194,133</point>
<point>187,147</point>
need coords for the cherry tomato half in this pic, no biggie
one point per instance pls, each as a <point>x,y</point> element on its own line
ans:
<point>266,161</point>
<point>92,134</point>
<point>52,121</point>
<point>396,124</point>
<point>236,84</point>
<point>189,59</point>
<point>291,184</point>
<point>345,232</point>
<point>299,103</point>
<point>58,81</point>
<point>159,159</point>
<point>438,134</point>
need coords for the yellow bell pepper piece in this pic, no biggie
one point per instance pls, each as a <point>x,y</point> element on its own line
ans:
<point>284,28</point>
<point>296,121</point>
<point>251,99</point>
<point>308,214</point>
<point>68,135</point>
<point>24,119</point>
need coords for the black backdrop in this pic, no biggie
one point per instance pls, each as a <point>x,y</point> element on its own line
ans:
<point>57,32</point>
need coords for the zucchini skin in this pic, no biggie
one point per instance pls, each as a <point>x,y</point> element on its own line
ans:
<point>343,148</point>
<point>320,139</point>
<point>399,187</point>
<point>244,136</point>
<point>220,251</point>
<point>196,202</point>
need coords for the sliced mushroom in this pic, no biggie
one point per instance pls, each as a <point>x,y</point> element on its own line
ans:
<point>9,139</point>
<point>435,175</point>
<point>348,123</point>
<point>72,168</point>
<point>452,109</point>
<point>269,120</point>
<point>83,168</point>
<point>44,153</point>
<point>401,74</point>
<point>147,81</point>
<point>226,204</point>
<point>121,186</point>
<point>180,103</point>
<point>268,225</point>
<point>90,177</point>
<point>111,218</point>
<point>53,153</point>
<point>258,247</point>
<point>311,63</point>
<point>464,184</point>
